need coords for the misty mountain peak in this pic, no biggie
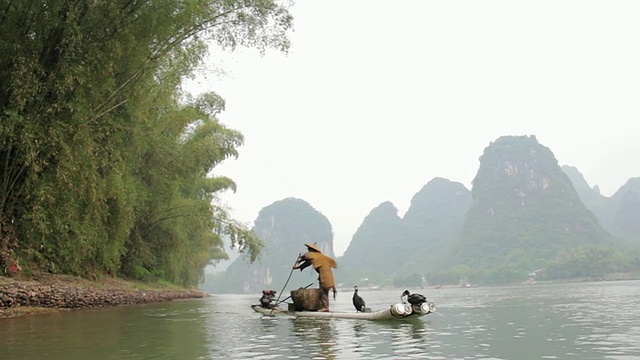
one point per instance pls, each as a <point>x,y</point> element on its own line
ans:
<point>520,192</point>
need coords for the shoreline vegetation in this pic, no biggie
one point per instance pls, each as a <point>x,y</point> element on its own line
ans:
<point>119,180</point>
<point>47,293</point>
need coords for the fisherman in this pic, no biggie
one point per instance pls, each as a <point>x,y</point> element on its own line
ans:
<point>267,298</point>
<point>322,264</point>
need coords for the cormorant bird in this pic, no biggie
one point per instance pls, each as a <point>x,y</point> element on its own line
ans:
<point>358,301</point>
<point>413,299</point>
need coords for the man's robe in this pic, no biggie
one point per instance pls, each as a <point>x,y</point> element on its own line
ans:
<point>322,264</point>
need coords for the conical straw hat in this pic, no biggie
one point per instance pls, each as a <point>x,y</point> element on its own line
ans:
<point>313,247</point>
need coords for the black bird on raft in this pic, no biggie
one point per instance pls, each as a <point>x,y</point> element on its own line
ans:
<point>358,301</point>
<point>413,299</point>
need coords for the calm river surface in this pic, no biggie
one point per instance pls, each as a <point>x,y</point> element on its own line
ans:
<point>561,321</point>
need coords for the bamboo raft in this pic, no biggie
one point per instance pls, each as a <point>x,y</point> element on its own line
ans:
<point>306,302</point>
<point>385,314</point>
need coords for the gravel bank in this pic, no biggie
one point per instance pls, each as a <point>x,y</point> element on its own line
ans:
<point>48,292</point>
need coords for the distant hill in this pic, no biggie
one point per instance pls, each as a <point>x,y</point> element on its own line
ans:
<point>524,215</point>
<point>386,244</point>
<point>284,226</point>
<point>626,202</point>
<point>222,265</point>
<point>524,209</point>
<point>599,204</point>
<point>377,249</point>
<point>434,221</point>
<point>618,214</point>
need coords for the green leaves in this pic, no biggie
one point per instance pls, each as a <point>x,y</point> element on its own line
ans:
<point>104,168</point>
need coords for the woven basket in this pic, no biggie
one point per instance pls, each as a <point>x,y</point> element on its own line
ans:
<point>307,299</point>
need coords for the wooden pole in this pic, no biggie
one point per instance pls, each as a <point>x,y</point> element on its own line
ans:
<point>285,284</point>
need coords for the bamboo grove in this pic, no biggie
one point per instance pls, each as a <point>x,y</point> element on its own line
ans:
<point>106,167</point>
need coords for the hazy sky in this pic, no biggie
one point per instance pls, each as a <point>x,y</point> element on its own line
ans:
<point>377,98</point>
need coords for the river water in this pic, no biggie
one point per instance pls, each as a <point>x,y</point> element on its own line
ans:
<point>559,321</point>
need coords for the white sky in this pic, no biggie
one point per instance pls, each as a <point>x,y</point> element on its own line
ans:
<point>377,98</point>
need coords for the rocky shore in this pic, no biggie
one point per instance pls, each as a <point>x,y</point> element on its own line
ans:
<point>48,292</point>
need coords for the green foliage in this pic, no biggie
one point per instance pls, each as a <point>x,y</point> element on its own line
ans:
<point>584,262</point>
<point>407,280</point>
<point>141,273</point>
<point>104,166</point>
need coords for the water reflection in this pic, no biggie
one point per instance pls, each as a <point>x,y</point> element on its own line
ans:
<point>408,339</point>
<point>358,329</point>
<point>318,335</point>
<point>138,332</point>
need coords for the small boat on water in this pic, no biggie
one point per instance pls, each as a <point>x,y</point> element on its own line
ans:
<point>306,302</point>
<point>396,311</point>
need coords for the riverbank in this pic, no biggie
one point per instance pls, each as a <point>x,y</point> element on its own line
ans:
<point>46,293</point>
